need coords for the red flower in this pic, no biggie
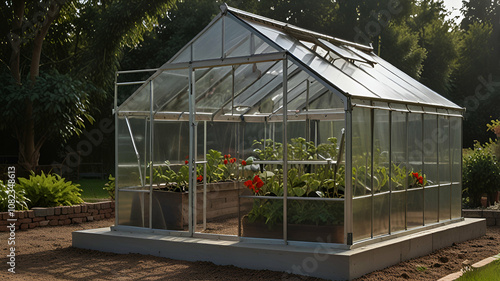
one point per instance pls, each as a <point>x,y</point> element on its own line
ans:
<point>244,163</point>
<point>257,181</point>
<point>249,184</point>
<point>186,162</point>
<point>415,175</point>
<point>229,156</point>
<point>199,178</point>
<point>232,160</point>
<point>421,180</point>
<point>225,161</point>
<point>225,156</point>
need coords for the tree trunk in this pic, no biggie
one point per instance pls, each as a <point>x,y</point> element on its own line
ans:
<point>29,146</point>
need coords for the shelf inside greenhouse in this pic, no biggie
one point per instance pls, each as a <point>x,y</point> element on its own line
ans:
<point>258,131</point>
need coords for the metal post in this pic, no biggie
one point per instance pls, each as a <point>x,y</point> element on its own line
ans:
<point>437,170</point>
<point>390,170</point>
<point>204,175</point>
<point>116,149</point>
<point>151,151</point>
<point>372,130</point>
<point>348,216</point>
<point>423,167</point>
<point>192,144</point>
<point>285,149</point>
<point>407,166</point>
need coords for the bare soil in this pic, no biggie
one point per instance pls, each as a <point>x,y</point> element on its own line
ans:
<point>45,253</point>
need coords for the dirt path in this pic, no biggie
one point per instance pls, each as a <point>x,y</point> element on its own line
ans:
<point>46,254</point>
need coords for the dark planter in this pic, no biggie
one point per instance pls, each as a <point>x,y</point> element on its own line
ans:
<point>171,209</point>
<point>296,232</point>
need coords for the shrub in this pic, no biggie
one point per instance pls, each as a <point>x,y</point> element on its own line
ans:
<point>21,202</point>
<point>481,175</point>
<point>110,187</point>
<point>50,191</point>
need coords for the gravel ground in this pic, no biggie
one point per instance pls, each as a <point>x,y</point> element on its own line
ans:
<point>45,253</point>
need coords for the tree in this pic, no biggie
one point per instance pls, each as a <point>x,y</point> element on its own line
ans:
<point>91,35</point>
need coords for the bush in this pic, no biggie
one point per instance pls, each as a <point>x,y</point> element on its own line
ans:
<point>50,191</point>
<point>481,175</point>
<point>110,187</point>
<point>21,202</point>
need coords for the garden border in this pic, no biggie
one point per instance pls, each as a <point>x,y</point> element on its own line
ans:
<point>492,216</point>
<point>62,215</point>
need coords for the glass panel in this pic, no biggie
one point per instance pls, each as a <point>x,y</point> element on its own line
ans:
<point>171,90</point>
<point>381,214</point>
<point>255,224</point>
<point>431,195</point>
<point>429,147</point>
<point>213,38</point>
<point>185,56</point>
<point>444,168</point>
<point>131,169</point>
<point>361,161</point>
<point>381,150</point>
<point>398,209</point>
<point>361,151</point>
<point>139,101</point>
<point>362,217</point>
<point>316,221</point>
<point>456,166</point>
<point>415,208</point>
<point>398,151</point>
<point>415,144</point>
<point>236,39</point>
<point>213,88</point>
<point>133,208</point>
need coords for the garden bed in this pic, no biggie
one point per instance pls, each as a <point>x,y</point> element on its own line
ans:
<point>492,216</point>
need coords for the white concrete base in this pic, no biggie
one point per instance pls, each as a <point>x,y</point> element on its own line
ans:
<point>318,260</point>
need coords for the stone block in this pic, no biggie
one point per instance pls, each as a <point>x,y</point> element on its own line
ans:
<point>490,221</point>
<point>65,210</point>
<point>105,205</point>
<point>90,218</point>
<point>20,215</point>
<point>52,217</point>
<point>77,220</point>
<point>53,222</point>
<point>24,226</point>
<point>31,214</point>
<point>77,209</point>
<point>107,215</point>
<point>43,223</point>
<point>84,208</point>
<point>67,221</point>
<point>473,213</point>
<point>57,211</point>
<point>489,213</point>
<point>26,220</point>
<point>33,225</point>
<point>112,204</point>
<point>38,219</point>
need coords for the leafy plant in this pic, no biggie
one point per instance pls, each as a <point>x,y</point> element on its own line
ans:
<point>110,187</point>
<point>481,175</point>
<point>50,190</point>
<point>20,200</point>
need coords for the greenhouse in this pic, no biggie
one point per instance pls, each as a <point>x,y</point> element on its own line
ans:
<point>262,132</point>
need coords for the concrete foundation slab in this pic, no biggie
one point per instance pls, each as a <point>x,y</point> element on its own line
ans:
<point>318,260</point>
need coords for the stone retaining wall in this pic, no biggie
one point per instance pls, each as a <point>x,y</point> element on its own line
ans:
<point>492,216</point>
<point>62,215</point>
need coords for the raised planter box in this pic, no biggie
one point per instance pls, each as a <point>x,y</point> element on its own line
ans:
<point>296,232</point>
<point>171,210</point>
<point>492,216</point>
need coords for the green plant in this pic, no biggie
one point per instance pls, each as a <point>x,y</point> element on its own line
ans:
<point>110,187</point>
<point>50,190</point>
<point>18,196</point>
<point>481,175</point>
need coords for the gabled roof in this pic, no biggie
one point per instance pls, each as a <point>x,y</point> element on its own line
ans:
<point>321,69</point>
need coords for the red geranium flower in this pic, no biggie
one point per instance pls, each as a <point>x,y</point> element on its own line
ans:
<point>232,160</point>
<point>199,178</point>
<point>415,175</point>
<point>421,180</point>
<point>186,162</point>
<point>225,161</point>
<point>229,156</point>
<point>225,156</point>
<point>244,163</point>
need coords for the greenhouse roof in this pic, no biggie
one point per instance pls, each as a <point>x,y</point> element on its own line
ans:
<point>239,60</point>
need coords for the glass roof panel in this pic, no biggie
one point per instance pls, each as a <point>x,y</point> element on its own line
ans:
<point>139,101</point>
<point>169,84</point>
<point>342,52</point>
<point>236,39</point>
<point>184,56</point>
<point>209,44</point>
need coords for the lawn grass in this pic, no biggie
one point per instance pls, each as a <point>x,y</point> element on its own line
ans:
<point>93,189</point>
<point>487,272</point>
